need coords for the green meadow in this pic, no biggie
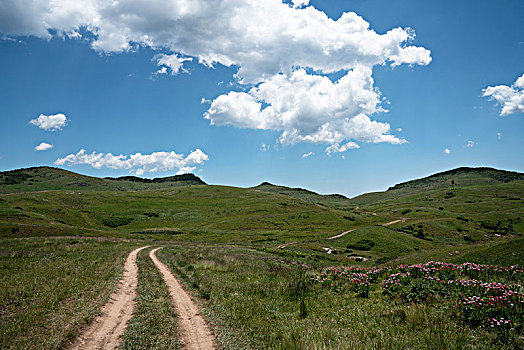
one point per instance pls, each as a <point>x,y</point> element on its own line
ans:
<point>251,256</point>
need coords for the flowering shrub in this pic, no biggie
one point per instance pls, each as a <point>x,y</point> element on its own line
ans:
<point>483,295</point>
<point>345,279</point>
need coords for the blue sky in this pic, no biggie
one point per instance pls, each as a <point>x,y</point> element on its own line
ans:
<point>124,88</point>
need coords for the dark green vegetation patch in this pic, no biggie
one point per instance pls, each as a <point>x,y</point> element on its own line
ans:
<point>115,221</point>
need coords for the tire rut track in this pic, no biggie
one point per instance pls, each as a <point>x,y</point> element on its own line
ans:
<point>105,331</point>
<point>194,332</point>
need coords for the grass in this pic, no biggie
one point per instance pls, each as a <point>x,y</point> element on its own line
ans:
<point>154,324</point>
<point>258,297</point>
<point>200,213</point>
<point>222,242</point>
<point>51,288</point>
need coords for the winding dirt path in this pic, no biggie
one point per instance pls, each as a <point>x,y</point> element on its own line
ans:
<point>195,333</point>
<point>106,329</point>
<point>342,234</point>
<point>394,222</point>
<point>282,246</point>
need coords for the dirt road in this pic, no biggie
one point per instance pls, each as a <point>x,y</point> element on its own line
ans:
<point>342,234</point>
<point>282,246</point>
<point>194,332</point>
<point>394,222</point>
<point>105,331</point>
<point>353,229</point>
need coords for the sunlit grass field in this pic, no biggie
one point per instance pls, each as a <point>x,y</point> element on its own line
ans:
<point>63,247</point>
<point>51,287</point>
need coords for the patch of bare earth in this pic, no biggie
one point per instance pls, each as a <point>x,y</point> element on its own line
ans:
<point>105,331</point>
<point>194,332</point>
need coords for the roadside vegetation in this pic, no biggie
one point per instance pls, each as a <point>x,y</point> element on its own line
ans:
<point>282,303</point>
<point>52,287</point>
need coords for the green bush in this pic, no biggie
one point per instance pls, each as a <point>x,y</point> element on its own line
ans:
<point>115,221</point>
<point>469,239</point>
<point>418,290</point>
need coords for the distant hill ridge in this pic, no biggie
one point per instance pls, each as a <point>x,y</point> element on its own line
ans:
<point>475,174</point>
<point>51,178</point>
<point>45,178</point>
<point>182,177</point>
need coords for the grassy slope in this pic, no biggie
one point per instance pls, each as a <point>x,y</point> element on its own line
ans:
<point>50,288</point>
<point>443,218</point>
<point>333,200</point>
<point>256,296</point>
<point>461,177</point>
<point>213,213</point>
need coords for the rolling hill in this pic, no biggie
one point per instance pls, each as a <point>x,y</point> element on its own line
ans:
<point>255,258</point>
<point>424,215</point>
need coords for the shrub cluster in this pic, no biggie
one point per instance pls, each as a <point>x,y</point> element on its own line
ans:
<point>414,231</point>
<point>115,221</point>
<point>469,289</point>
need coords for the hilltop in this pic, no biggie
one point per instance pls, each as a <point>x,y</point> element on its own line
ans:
<point>462,177</point>
<point>46,178</point>
<point>448,180</point>
<point>331,200</point>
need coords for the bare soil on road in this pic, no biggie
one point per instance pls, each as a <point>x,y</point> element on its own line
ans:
<point>342,234</point>
<point>194,332</point>
<point>282,246</point>
<point>106,329</point>
<point>394,222</point>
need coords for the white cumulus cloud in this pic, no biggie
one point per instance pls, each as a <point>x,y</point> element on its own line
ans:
<point>308,108</point>
<point>50,122</point>
<point>139,163</point>
<point>447,151</point>
<point>282,52</point>
<point>511,98</point>
<point>43,147</point>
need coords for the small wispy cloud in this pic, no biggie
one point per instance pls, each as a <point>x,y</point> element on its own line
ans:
<point>447,151</point>
<point>337,148</point>
<point>172,64</point>
<point>305,155</point>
